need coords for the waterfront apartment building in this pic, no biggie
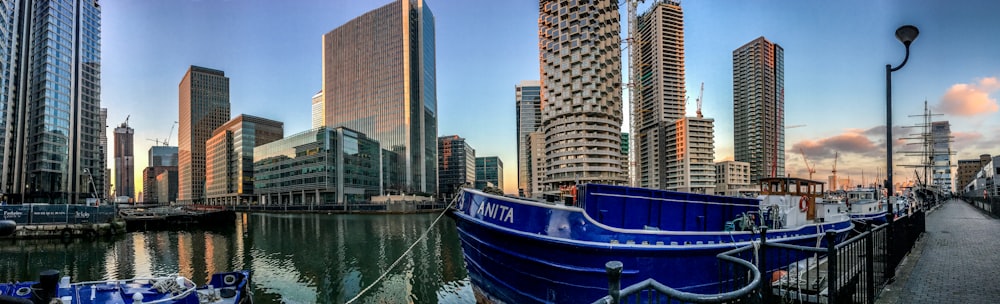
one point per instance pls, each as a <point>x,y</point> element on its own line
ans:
<point>456,166</point>
<point>320,166</point>
<point>124,160</point>
<point>536,144</point>
<point>528,103</point>
<point>690,164</point>
<point>204,106</point>
<point>986,182</point>
<point>758,107</point>
<point>318,110</point>
<point>50,108</point>
<point>732,178</point>
<point>489,172</point>
<point>580,53</point>
<point>229,158</point>
<point>941,156</point>
<point>379,78</point>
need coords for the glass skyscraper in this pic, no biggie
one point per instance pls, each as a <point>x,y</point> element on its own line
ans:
<point>759,107</point>
<point>229,158</point>
<point>457,165</point>
<point>528,100</point>
<point>379,79</point>
<point>50,105</point>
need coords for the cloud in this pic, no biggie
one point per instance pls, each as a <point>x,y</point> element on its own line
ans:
<point>970,99</point>
<point>851,141</point>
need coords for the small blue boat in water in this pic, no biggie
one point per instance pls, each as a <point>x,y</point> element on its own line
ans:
<point>223,288</point>
<point>519,250</point>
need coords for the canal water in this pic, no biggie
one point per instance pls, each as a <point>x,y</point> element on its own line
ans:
<point>295,258</point>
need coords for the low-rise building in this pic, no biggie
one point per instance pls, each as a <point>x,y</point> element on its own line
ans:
<point>732,178</point>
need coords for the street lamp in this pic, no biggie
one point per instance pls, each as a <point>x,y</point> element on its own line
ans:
<point>906,34</point>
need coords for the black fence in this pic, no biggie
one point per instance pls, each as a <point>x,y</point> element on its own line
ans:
<point>854,270</point>
<point>34,214</point>
<point>991,204</point>
<point>739,287</point>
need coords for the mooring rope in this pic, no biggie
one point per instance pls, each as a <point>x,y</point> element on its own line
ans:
<point>400,258</point>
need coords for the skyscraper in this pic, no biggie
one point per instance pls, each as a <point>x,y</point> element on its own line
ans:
<point>580,55</point>
<point>379,79</point>
<point>204,106</point>
<point>457,165</point>
<point>124,160</point>
<point>758,107</point>
<point>318,110</point>
<point>229,158</point>
<point>50,100</point>
<point>528,100</point>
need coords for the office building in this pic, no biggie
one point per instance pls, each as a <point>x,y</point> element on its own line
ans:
<point>967,169</point>
<point>580,53</point>
<point>204,106</point>
<point>166,186</point>
<point>536,144</point>
<point>50,108</point>
<point>379,78</point>
<point>758,107</point>
<point>101,182</point>
<point>489,172</point>
<point>732,178</point>
<point>151,184</point>
<point>320,166</point>
<point>528,101</point>
<point>162,156</point>
<point>124,161</point>
<point>229,158</point>
<point>457,166</point>
<point>941,156</point>
<point>318,110</point>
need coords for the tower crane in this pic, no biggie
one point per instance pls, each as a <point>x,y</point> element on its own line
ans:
<point>166,142</point>
<point>835,156</point>
<point>808,167</point>
<point>701,93</point>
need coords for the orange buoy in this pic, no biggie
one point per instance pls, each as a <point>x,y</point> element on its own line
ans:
<point>777,275</point>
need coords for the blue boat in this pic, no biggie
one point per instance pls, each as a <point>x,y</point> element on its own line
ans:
<point>519,250</point>
<point>223,288</point>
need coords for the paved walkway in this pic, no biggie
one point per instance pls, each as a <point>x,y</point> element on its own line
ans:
<point>956,261</point>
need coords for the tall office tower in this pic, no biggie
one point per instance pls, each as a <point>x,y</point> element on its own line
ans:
<point>660,97</point>
<point>489,171</point>
<point>229,158</point>
<point>759,107</point>
<point>536,144</point>
<point>204,106</point>
<point>941,155</point>
<point>124,160</point>
<point>50,100</point>
<point>457,165</point>
<point>317,110</point>
<point>379,79</point>
<point>580,55</point>
<point>690,166</point>
<point>528,100</point>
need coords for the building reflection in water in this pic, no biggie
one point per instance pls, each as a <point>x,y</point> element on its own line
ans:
<point>295,258</point>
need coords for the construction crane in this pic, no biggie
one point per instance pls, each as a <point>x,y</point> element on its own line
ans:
<point>166,142</point>
<point>634,85</point>
<point>808,167</point>
<point>701,93</point>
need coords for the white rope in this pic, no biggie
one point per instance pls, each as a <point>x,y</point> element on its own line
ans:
<point>422,236</point>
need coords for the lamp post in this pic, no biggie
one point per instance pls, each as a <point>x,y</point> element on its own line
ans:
<point>906,34</point>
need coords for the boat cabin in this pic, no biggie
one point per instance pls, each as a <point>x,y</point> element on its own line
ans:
<point>808,191</point>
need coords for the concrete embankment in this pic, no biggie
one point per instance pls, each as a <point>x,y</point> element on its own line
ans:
<point>84,230</point>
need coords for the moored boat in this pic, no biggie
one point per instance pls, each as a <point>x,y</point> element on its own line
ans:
<point>222,288</point>
<point>519,250</point>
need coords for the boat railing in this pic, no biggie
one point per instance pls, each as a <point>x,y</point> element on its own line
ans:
<point>741,287</point>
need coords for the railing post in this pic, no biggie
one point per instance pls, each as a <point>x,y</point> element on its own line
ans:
<point>614,270</point>
<point>870,263</point>
<point>890,267</point>
<point>765,285</point>
<point>831,266</point>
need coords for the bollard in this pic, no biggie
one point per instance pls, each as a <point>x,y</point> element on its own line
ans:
<point>614,270</point>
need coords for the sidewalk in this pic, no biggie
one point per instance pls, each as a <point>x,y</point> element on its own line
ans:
<point>956,261</point>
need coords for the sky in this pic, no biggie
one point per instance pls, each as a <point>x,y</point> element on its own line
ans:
<point>835,57</point>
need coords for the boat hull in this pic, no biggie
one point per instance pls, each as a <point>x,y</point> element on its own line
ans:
<point>529,252</point>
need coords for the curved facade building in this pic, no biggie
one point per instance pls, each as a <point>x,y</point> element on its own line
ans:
<point>580,55</point>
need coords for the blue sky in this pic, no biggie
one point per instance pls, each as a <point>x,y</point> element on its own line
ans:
<point>835,56</point>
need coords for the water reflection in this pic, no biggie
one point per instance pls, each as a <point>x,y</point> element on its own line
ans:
<point>295,258</point>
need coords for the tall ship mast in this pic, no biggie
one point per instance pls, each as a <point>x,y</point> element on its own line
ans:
<point>932,172</point>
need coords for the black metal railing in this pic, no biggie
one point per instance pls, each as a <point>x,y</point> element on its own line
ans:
<point>990,205</point>
<point>739,287</point>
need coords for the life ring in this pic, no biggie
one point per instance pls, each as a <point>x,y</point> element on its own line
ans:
<point>880,205</point>
<point>803,206</point>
